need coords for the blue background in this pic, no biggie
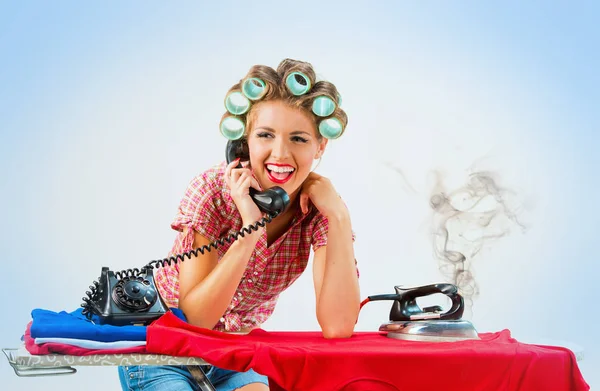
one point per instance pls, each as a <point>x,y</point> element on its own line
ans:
<point>108,109</point>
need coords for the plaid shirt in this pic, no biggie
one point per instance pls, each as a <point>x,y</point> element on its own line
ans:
<point>207,207</point>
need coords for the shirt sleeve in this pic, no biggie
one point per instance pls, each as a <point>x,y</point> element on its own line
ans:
<point>319,234</point>
<point>200,209</point>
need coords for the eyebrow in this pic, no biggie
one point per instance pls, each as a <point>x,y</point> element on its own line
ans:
<point>295,132</point>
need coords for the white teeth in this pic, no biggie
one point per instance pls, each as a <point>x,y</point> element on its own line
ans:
<point>280,169</point>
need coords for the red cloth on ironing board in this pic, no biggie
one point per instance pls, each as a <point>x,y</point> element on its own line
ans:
<point>59,348</point>
<point>370,361</point>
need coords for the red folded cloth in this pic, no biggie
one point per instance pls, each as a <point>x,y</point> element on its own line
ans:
<point>59,348</point>
<point>370,361</point>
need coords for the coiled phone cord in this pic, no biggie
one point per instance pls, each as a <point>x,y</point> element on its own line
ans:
<point>89,303</point>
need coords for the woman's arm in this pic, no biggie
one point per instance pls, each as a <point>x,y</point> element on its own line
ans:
<point>206,286</point>
<point>334,273</point>
<point>336,282</point>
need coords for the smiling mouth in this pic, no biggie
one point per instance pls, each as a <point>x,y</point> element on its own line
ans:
<point>279,173</point>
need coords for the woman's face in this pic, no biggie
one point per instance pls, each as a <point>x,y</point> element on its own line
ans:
<point>283,144</point>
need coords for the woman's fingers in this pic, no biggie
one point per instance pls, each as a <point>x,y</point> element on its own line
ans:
<point>304,198</point>
<point>231,166</point>
<point>240,176</point>
<point>255,184</point>
<point>240,179</point>
<point>245,183</point>
<point>237,174</point>
<point>229,170</point>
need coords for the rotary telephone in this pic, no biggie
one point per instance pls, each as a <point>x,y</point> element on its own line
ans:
<point>129,297</point>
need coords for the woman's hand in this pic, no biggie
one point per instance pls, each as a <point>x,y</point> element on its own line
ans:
<point>239,181</point>
<point>320,191</point>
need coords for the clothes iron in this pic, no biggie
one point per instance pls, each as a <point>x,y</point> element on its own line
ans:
<point>409,322</point>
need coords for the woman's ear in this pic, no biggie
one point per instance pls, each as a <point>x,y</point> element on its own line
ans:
<point>321,149</point>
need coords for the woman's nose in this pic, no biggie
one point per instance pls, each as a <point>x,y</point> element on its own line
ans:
<point>280,149</point>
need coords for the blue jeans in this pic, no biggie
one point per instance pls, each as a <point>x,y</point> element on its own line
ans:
<point>178,378</point>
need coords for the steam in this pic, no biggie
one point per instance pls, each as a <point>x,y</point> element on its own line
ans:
<point>467,218</point>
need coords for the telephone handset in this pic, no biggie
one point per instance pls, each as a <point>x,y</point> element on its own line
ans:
<point>271,200</point>
<point>130,297</point>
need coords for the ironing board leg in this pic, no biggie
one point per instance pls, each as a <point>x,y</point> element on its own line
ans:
<point>28,371</point>
<point>200,377</point>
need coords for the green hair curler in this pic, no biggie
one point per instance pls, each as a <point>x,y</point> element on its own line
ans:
<point>254,88</point>
<point>236,103</point>
<point>232,128</point>
<point>331,128</point>
<point>323,106</point>
<point>298,83</point>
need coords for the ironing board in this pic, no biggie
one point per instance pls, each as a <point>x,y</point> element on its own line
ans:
<point>27,365</point>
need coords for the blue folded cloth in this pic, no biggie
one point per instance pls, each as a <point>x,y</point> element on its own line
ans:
<point>178,313</point>
<point>49,324</point>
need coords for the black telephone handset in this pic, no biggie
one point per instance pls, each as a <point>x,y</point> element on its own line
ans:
<point>130,297</point>
<point>273,200</point>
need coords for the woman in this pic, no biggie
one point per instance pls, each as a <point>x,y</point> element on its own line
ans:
<point>286,118</point>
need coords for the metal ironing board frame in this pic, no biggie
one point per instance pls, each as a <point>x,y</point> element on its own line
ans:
<point>27,365</point>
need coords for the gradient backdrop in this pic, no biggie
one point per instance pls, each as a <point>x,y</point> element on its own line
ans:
<point>108,110</point>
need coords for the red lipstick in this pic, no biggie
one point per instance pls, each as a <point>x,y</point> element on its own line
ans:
<point>279,177</point>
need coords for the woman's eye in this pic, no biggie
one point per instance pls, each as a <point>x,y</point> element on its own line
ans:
<point>299,139</point>
<point>264,134</point>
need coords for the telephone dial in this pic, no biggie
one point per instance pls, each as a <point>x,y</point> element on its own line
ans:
<point>130,297</point>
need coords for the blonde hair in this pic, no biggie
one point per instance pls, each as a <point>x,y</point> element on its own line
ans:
<point>276,89</point>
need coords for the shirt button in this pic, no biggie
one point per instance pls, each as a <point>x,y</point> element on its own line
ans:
<point>256,273</point>
<point>131,375</point>
<point>250,280</point>
<point>222,320</point>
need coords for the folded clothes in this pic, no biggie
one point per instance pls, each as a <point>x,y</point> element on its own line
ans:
<point>90,344</point>
<point>49,324</point>
<point>58,348</point>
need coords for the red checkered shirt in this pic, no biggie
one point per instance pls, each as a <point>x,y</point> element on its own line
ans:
<point>207,207</point>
